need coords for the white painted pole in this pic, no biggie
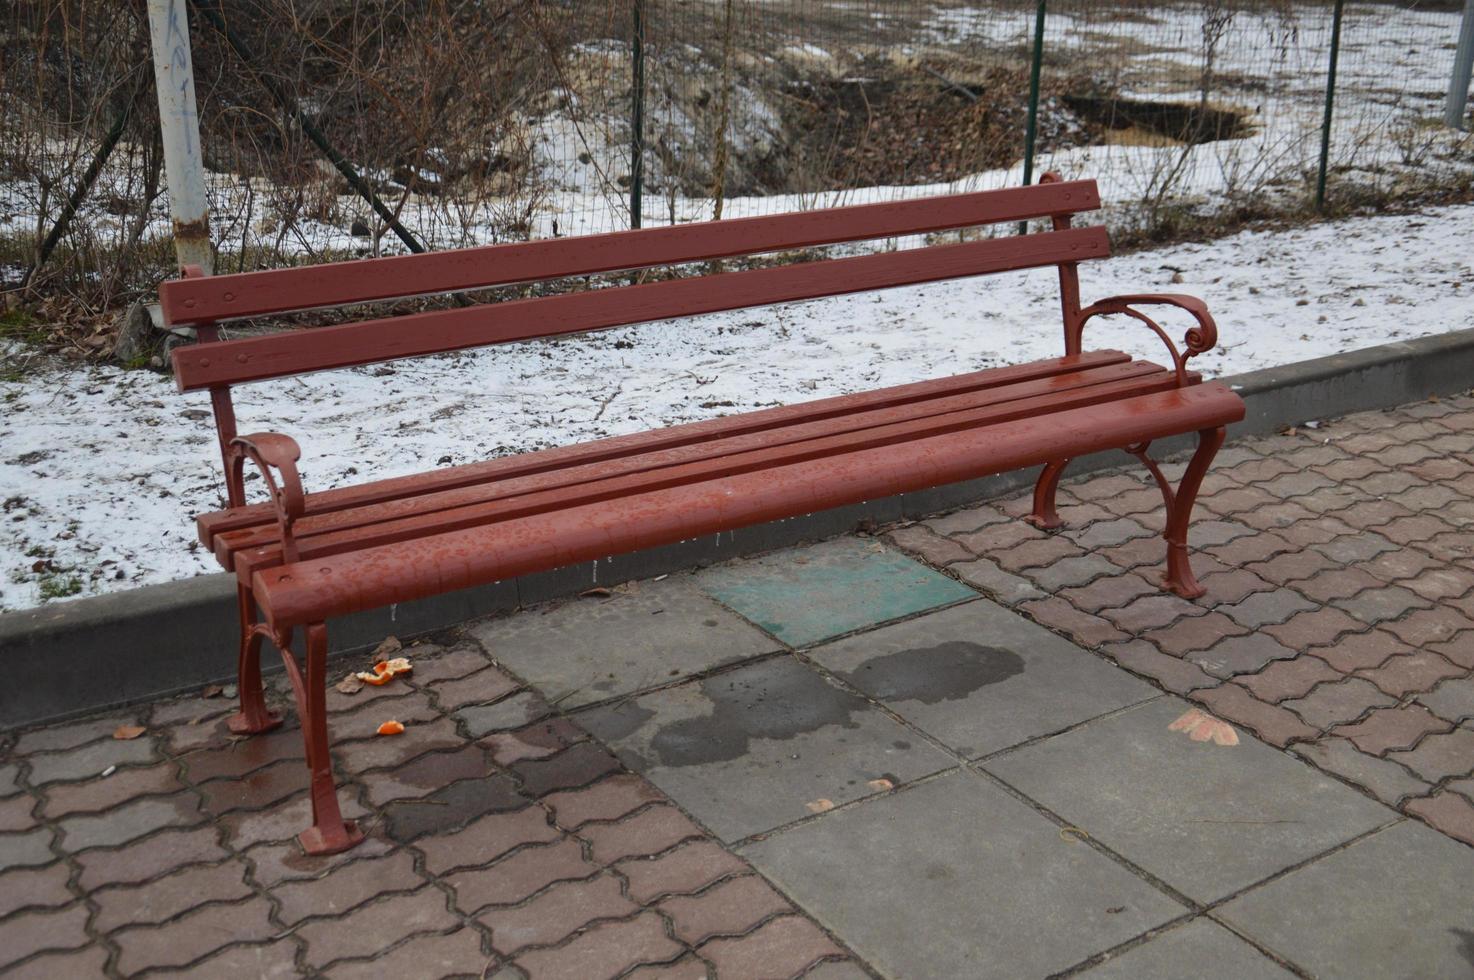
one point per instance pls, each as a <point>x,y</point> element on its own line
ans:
<point>1458,84</point>
<point>179,122</point>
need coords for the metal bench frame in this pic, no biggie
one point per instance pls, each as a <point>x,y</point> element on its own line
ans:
<point>301,559</point>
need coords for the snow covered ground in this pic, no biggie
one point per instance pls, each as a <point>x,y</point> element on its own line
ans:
<point>102,470</point>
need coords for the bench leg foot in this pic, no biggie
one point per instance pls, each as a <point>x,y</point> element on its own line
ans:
<point>253,718</point>
<point>1179,577</point>
<point>1044,516</point>
<point>329,832</point>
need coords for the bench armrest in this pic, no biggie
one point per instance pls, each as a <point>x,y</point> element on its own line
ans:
<point>1197,340</point>
<point>275,455</point>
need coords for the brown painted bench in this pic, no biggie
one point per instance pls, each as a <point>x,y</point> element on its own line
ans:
<point>303,558</point>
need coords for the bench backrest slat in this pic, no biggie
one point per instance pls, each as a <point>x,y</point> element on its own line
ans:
<point>277,355</point>
<point>215,298</point>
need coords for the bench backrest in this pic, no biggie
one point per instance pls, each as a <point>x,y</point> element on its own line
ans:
<point>217,364</point>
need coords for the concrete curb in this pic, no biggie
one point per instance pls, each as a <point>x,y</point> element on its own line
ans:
<point>73,657</point>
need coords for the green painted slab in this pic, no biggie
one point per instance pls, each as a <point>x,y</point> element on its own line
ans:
<point>805,595</point>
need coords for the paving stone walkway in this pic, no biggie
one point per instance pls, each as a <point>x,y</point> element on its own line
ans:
<point>963,748</point>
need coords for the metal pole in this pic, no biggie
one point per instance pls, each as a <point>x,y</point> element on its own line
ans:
<point>179,124</point>
<point>1458,85</point>
<point>637,117</point>
<point>1032,128</point>
<point>1325,129</point>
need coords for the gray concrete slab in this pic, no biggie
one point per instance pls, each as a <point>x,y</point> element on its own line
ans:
<point>957,878</point>
<point>809,594</point>
<point>1207,819</point>
<point>588,650</point>
<point>981,678</point>
<point>1395,905</point>
<point>1201,949</point>
<point>751,749</point>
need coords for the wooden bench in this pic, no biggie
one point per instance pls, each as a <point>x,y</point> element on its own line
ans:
<point>303,558</point>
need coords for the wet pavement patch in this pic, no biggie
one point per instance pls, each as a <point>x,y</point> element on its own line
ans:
<point>979,677</point>
<point>806,595</point>
<point>762,745</point>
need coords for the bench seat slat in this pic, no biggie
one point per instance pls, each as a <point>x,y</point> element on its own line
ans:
<point>325,587</point>
<point>242,361</point>
<point>617,447</point>
<point>542,495</point>
<point>1127,377</point>
<point>248,294</point>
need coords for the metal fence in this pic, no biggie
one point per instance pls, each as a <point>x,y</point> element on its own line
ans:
<point>529,118</point>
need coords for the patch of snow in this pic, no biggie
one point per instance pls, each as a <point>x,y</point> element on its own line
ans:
<point>103,470</point>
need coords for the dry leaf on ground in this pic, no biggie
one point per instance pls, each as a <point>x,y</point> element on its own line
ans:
<point>212,691</point>
<point>388,648</point>
<point>350,685</point>
<point>128,732</point>
<point>1202,727</point>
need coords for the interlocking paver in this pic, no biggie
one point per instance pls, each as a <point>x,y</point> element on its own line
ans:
<point>1109,593</point>
<point>193,936</point>
<point>1291,567</point>
<point>967,519</point>
<point>557,913</point>
<point>486,839</point>
<point>1036,553</point>
<point>1442,582</point>
<point>384,753</point>
<point>455,954</point>
<point>63,799</point>
<point>129,821</point>
<point>605,951</point>
<point>1388,781</point>
<point>1411,673</point>
<point>59,738</point>
<point>1283,680</point>
<point>516,711</point>
<point>1106,533</point>
<point>426,774</point>
<point>1316,627</point>
<point>90,760</point>
<point>608,799</point>
<point>1151,612</point>
<point>1195,633</point>
<point>259,961</point>
<point>86,962</point>
<point>520,874</point>
<point>347,886</point>
<point>686,869</point>
<point>1005,587</point>
<point>483,687</point>
<point>731,908</point>
<point>32,932</point>
<point>783,947</point>
<point>1085,629</point>
<point>1270,722</point>
<point>650,831</point>
<point>928,545</point>
<point>166,897</point>
<point>1337,583</point>
<point>1448,812</point>
<point>372,927</point>
<point>576,766</point>
<point>1429,626</point>
<point>1173,673</point>
<point>1379,605</point>
<point>1265,608</point>
<point>149,858</point>
<point>1391,729</point>
<point>1360,651</point>
<point>1240,655</point>
<point>1451,700</point>
<point>34,887</point>
<point>1229,586</point>
<point>1359,547</point>
<point>1459,650</point>
<point>537,741</point>
<point>1440,755</point>
<point>1074,570</point>
<point>1339,702</point>
<point>280,822</point>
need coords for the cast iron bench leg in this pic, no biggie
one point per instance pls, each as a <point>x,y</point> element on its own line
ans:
<point>1044,516</point>
<point>1179,511</point>
<point>329,832</point>
<point>253,718</point>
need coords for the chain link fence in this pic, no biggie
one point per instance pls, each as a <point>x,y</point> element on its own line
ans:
<point>511,119</point>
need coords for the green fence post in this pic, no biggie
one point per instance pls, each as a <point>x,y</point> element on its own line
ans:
<point>637,117</point>
<point>1325,129</point>
<point>1032,127</point>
